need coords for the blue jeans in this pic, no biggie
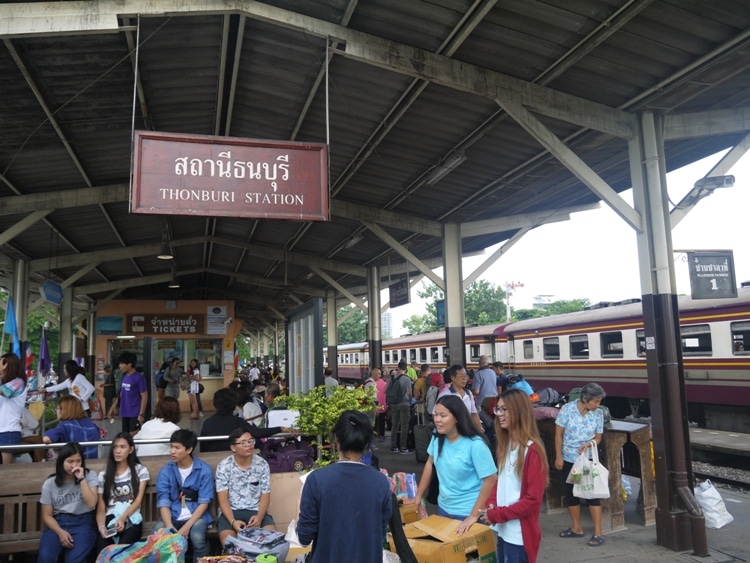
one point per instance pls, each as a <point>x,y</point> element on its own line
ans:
<point>510,552</point>
<point>443,513</point>
<point>197,536</point>
<point>83,529</point>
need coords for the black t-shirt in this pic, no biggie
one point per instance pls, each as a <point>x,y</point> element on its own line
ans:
<point>223,424</point>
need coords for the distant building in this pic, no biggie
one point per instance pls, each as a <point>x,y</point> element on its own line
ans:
<point>542,301</point>
<point>386,325</point>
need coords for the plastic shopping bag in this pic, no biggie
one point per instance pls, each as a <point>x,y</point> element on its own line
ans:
<point>714,510</point>
<point>581,467</point>
<point>595,483</point>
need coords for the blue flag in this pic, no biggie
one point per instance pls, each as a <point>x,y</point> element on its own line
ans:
<point>11,327</point>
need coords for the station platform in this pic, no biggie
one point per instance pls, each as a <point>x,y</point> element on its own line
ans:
<point>718,441</point>
<point>636,543</point>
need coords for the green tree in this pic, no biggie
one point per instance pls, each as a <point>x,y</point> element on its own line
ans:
<point>484,303</point>
<point>554,308</point>
<point>354,328</point>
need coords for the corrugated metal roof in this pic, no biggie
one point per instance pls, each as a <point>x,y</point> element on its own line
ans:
<point>67,109</point>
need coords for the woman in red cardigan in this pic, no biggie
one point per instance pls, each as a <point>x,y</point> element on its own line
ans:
<point>514,504</point>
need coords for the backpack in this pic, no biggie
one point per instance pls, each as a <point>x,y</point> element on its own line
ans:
<point>160,381</point>
<point>393,392</point>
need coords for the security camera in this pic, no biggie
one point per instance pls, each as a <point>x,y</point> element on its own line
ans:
<point>713,182</point>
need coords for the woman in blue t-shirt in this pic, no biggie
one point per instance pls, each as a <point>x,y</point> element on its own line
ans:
<point>74,426</point>
<point>464,464</point>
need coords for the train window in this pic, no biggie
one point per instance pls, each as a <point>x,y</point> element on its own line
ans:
<point>611,344</point>
<point>387,357</point>
<point>741,338</point>
<point>474,352</point>
<point>356,358</point>
<point>446,355</point>
<point>696,340</point>
<point>579,346</point>
<point>423,355</point>
<point>412,355</point>
<point>528,349</point>
<point>551,348</point>
<point>403,355</point>
<point>434,354</point>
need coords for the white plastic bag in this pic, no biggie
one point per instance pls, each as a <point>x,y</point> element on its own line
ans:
<point>714,510</point>
<point>595,482</point>
<point>581,467</point>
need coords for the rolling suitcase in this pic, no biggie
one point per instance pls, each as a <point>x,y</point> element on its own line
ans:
<point>422,435</point>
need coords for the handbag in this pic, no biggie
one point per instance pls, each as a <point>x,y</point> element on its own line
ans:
<point>288,456</point>
<point>185,382</point>
<point>95,408</point>
<point>595,482</point>
<point>163,546</point>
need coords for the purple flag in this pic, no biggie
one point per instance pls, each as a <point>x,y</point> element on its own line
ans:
<point>44,359</point>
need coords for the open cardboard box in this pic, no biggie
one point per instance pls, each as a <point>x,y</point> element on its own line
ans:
<point>434,540</point>
<point>409,513</point>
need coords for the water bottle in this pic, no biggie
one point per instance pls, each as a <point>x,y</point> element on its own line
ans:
<point>266,558</point>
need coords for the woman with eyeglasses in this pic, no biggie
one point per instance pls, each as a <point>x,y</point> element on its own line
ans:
<point>13,390</point>
<point>243,487</point>
<point>461,455</point>
<point>515,502</point>
<point>578,424</point>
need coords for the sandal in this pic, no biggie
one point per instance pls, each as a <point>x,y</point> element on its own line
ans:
<point>596,541</point>
<point>571,534</point>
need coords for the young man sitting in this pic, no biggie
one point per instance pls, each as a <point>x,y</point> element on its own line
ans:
<point>184,489</point>
<point>243,487</point>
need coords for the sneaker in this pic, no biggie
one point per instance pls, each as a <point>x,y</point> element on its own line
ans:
<point>394,450</point>
<point>406,451</point>
<point>201,414</point>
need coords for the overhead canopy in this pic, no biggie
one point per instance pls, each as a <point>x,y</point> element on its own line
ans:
<point>410,95</point>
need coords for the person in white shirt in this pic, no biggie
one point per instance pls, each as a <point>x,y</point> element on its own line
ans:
<point>163,425</point>
<point>458,380</point>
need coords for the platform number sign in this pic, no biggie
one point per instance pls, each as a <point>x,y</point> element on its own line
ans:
<point>712,274</point>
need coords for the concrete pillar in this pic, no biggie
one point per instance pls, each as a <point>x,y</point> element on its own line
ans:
<point>455,332</point>
<point>374,328</point>
<point>332,326</point>
<point>679,526</point>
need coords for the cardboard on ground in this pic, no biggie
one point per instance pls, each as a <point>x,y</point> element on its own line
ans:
<point>434,540</point>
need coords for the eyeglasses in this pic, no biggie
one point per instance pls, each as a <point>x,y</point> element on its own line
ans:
<point>500,410</point>
<point>245,443</point>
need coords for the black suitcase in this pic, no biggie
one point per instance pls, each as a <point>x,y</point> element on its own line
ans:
<point>422,435</point>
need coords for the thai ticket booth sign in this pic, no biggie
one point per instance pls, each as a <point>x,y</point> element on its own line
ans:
<point>179,174</point>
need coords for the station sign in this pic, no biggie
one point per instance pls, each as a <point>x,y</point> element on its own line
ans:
<point>51,292</point>
<point>712,274</point>
<point>178,174</point>
<point>398,293</point>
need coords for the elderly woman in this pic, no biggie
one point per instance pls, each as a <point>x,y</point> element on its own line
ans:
<point>578,424</point>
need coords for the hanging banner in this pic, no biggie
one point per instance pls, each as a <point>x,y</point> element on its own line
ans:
<point>177,174</point>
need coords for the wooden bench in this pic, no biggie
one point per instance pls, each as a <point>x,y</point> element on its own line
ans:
<point>21,523</point>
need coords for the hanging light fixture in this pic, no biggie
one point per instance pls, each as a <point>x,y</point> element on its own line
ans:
<point>175,283</point>
<point>165,253</point>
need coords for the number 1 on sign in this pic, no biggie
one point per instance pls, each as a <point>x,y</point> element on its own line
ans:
<point>714,287</point>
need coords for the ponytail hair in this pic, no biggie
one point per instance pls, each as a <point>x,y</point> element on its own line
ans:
<point>353,431</point>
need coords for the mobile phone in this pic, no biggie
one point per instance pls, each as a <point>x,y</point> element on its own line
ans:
<point>110,532</point>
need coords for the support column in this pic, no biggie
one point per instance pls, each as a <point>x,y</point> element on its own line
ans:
<point>276,347</point>
<point>21,303</point>
<point>679,521</point>
<point>455,331</point>
<point>374,328</point>
<point>91,345</point>
<point>66,329</point>
<point>333,336</point>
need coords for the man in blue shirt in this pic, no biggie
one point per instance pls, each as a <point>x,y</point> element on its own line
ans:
<point>184,489</point>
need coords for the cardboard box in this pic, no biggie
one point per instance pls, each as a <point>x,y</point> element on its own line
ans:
<point>409,513</point>
<point>434,540</point>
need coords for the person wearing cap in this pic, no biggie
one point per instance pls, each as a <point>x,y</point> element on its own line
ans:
<point>108,387</point>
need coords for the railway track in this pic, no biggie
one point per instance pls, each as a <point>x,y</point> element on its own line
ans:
<point>716,479</point>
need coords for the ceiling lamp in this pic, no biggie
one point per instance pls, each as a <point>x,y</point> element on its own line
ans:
<point>448,165</point>
<point>165,253</point>
<point>175,283</point>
